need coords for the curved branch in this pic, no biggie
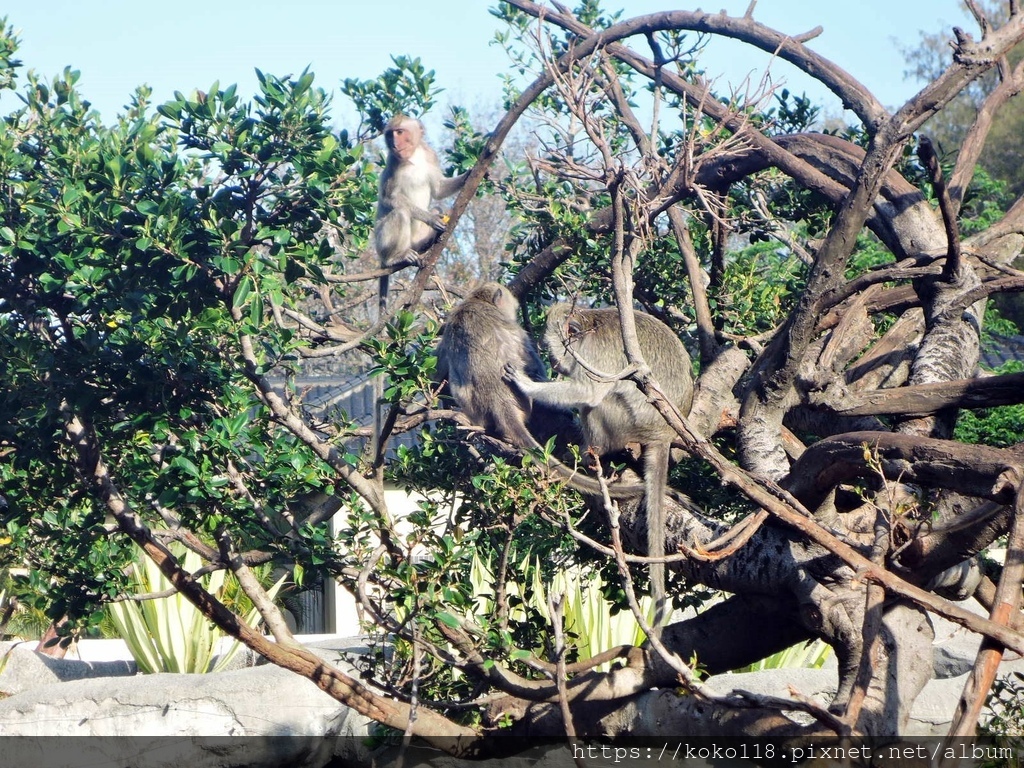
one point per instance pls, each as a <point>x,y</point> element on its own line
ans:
<point>853,94</point>
<point>974,141</point>
<point>974,470</point>
<point>1007,603</point>
<point>923,399</point>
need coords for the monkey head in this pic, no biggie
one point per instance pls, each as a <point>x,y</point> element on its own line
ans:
<point>565,330</point>
<point>403,135</point>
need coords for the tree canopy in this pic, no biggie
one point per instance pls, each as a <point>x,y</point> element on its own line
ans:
<point>170,280</point>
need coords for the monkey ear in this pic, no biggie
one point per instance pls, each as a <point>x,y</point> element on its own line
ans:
<point>573,328</point>
<point>497,296</point>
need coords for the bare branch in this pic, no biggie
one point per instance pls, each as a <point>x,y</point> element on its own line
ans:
<point>923,399</point>
<point>1007,604</point>
<point>974,470</point>
<point>974,141</point>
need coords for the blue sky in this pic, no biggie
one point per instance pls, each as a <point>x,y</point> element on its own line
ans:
<point>187,44</point>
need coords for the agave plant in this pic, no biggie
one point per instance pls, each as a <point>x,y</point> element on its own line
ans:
<point>810,655</point>
<point>587,614</point>
<point>168,634</point>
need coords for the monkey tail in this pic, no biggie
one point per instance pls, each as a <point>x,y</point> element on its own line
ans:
<point>382,296</point>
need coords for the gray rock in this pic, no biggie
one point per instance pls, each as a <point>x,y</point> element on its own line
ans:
<point>954,657</point>
<point>336,650</point>
<point>266,702</point>
<point>167,752</point>
<point>933,709</point>
<point>818,684</point>
<point>955,647</point>
<point>930,716</point>
<point>24,669</point>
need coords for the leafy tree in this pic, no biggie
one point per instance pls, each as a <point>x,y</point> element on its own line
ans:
<point>168,279</point>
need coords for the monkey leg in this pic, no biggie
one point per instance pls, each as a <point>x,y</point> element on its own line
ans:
<point>393,237</point>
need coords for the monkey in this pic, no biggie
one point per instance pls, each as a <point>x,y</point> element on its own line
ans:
<point>410,182</point>
<point>405,226</point>
<point>481,338</point>
<point>616,414</point>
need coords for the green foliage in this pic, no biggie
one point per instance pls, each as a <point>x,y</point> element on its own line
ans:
<point>468,143</point>
<point>760,286</point>
<point>999,427</point>
<point>793,114</point>
<point>407,88</point>
<point>169,634</point>
<point>985,201</point>
<point>592,623</point>
<point>1003,719</point>
<point>8,46</point>
<point>18,620</point>
<point>869,253</point>
<point>134,258</point>
<point>405,356</point>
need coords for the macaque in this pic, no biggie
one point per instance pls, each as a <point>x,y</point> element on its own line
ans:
<point>411,181</point>
<point>481,339</point>
<point>616,415</point>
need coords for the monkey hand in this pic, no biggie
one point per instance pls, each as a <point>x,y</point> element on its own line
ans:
<point>508,373</point>
<point>514,377</point>
<point>440,223</point>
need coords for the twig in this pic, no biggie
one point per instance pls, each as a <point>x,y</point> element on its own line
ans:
<point>555,605</point>
<point>728,543</point>
<point>695,275</point>
<point>268,611</point>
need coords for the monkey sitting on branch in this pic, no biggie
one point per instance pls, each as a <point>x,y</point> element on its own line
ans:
<point>411,181</point>
<point>586,346</point>
<point>480,339</point>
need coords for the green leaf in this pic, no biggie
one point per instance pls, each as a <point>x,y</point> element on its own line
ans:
<point>186,465</point>
<point>448,619</point>
<point>256,310</point>
<point>242,292</point>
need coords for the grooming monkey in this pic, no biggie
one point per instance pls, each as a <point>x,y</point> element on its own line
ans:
<point>482,338</point>
<point>479,337</point>
<point>614,414</point>
<point>411,181</point>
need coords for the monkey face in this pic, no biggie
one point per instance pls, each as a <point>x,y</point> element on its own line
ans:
<point>575,326</point>
<point>403,137</point>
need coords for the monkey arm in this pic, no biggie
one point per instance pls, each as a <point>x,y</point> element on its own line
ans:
<point>564,393</point>
<point>397,201</point>
<point>429,218</point>
<point>446,186</point>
